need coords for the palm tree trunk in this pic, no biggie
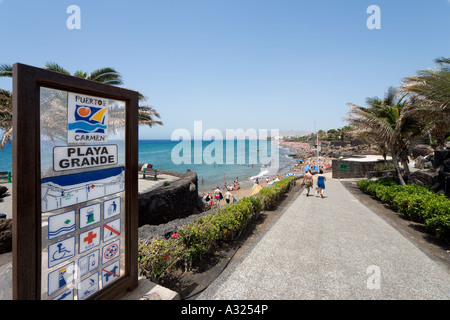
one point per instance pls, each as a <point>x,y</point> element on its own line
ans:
<point>407,171</point>
<point>397,167</point>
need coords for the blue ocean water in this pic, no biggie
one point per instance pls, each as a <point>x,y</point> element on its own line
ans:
<point>215,162</point>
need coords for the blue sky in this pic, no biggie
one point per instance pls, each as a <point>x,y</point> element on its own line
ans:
<point>286,64</point>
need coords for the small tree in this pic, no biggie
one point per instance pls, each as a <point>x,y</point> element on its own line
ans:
<point>390,120</point>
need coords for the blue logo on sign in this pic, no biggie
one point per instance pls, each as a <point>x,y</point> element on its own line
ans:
<point>89,119</point>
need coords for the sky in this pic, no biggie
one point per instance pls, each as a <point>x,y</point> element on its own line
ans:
<point>235,64</point>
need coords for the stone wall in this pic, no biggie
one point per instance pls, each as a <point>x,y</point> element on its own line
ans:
<point>177,200</point>
<point>342,168</point>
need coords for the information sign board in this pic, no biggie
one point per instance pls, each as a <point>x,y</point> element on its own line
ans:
<point>84,191</point>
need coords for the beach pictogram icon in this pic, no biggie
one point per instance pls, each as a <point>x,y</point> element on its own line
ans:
<point>90,216</point>
<point>111,230</point>
<point>110,251</point>
<point>90,238</point>
<point>61,251</point>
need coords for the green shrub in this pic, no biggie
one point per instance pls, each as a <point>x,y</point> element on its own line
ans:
<point>417,202</point>
<point>437,206</point>
<point>159,256</point>
<point>363,184</point>
<point>440,225</point>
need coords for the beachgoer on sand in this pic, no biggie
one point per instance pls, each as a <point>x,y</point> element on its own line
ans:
<point>218,194</point>
<point>321,183</point>
<point>308,181</point>
<point>228,197</point>
<point>208,198</point>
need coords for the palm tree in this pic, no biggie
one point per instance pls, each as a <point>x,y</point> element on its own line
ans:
<point>431,91</point>
<point>433,85</point>
<point>103,75</point>
<point>388,119</point>
<point>147,114</point>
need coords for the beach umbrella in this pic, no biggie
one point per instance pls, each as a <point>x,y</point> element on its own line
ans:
<point>256,188</point>
<point>306,168</point>
<point>290,174</point>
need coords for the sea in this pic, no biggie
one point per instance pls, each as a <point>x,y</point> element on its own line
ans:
<point>215,162</point>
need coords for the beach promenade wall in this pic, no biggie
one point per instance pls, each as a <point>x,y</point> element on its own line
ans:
<point>166,203</point>
<point>352,167</point>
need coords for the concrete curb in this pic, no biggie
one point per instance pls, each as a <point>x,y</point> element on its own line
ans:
<point>147,290</point>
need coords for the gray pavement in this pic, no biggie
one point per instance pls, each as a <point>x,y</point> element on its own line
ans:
<point>331,248</point>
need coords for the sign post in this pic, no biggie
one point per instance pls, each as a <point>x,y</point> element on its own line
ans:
<point>75,187</point>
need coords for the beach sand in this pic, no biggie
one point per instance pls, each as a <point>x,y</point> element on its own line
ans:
<point>309,159</point>
<point>246,190</point>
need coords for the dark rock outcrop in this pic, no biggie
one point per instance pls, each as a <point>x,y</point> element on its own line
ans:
<point>441,165</point>
<point>167,203</point>
<point>5,235</point>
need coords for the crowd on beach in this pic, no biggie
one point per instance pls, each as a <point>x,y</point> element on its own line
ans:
<point>305,161</point>
<point>307,155</point>
<point>214,198</point>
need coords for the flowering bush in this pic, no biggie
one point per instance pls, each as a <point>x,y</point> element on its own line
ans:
<point>160,256</point>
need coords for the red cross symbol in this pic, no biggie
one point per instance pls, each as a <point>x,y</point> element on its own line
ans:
<point>91,236</point>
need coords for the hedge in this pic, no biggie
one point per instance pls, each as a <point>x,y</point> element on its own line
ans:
<point>419,203</point>
<point>159,256</point>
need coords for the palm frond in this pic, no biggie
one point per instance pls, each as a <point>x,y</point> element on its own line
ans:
<point>6,70</point>
<point>147,116</point>
<point>52,66</point>
<point>106,75</point>
<point>80,74</point>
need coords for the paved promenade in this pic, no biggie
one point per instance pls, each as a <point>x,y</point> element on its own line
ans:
<point>331,248</point>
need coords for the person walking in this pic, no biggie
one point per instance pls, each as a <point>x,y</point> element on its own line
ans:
<point>321,183</point>
<point>308,181</point>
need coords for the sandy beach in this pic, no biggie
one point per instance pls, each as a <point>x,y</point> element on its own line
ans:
<point>300,149</point>
<point>246,190</point>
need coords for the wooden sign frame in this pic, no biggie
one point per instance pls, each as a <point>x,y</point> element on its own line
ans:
<point>27,225</point>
